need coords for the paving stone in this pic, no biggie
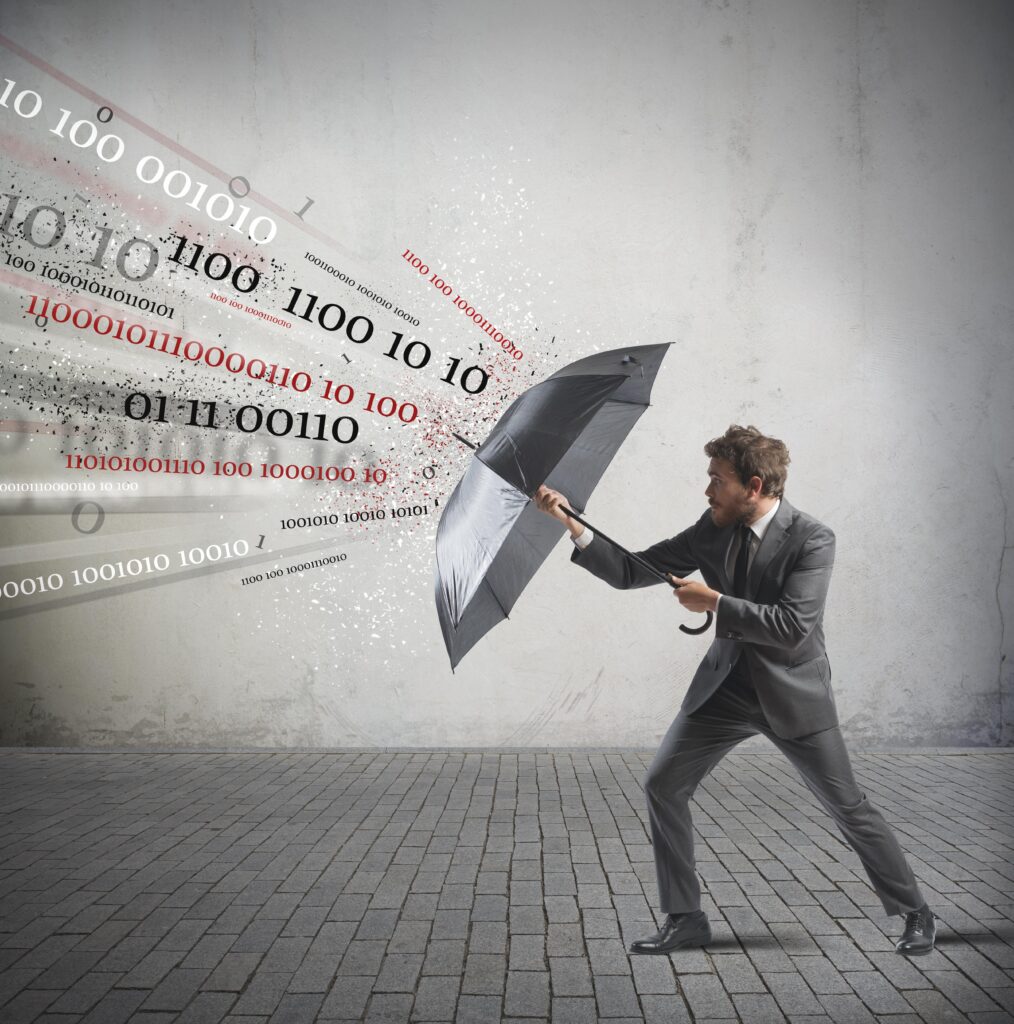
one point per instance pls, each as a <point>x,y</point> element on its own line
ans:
<point>758,1009</point>
<point>435,999</point>
<point>363,957</point>
<point>456,897</point>
<point>305,922</point>
<point>846,1009</point>
<point>263,994</point>
<point>233,972</point>
<point>399,972</point>
<point>347,998</point>
<point>525,893</point>
<point>175,990</point>
<point>616,997</point>
<point>333,939</point>
<point>233,920</point>
<point>527,953</point>
<point>296,1009</point>
<point>816,921</point>
<point>561,909</point>
<point>793,995</point>
<point>207,1008</point>
<point>484,974</point>
<point>866,935</point>
<point>527,920</point>
<point>565,940</point>
<point>151,970</point>
<point>706,996</point>
<point>314,974</point>
<point>410,937</point>
<point>349,907</point>
<point>444,957</point>
<point>843,953</point>
<point>377,924</point>
<point>691,961</point>
<point>388,1009</point>
<point>737,973</point>
<point>285,954</point>
<point>877,992</point>
<point>822,976</point>
<point>488,937</point>
<point>208,951</point>
<point>478,1009</point>
<point>572,1010</point>
<point>450,924</point>
<point>608,956</point>
<point>527,994</point>
<point>794,938</point>
<point>258,936</point>
<point>665,1010</point>
<point>571,976</point>
<point>598,924</point>
<point>653,975</point>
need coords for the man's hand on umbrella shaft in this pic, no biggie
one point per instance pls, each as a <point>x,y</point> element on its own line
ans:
<point>694,595</point>
<point>549,501</point>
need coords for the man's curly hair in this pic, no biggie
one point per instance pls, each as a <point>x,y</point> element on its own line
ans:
<point>753,454</point>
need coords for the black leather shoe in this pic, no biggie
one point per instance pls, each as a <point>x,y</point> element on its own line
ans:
<point>679,931</point>
<point>920,933</point>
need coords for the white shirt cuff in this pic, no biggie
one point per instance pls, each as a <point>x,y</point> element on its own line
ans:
<point>583,540</point>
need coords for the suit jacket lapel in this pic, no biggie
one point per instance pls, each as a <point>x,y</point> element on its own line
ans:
<point>774,538</point>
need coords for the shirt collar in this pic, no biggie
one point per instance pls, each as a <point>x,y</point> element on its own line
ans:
<point>760,527</point>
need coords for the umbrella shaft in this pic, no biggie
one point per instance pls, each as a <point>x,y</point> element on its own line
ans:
<point>619,547</point>
<point>647,566</point>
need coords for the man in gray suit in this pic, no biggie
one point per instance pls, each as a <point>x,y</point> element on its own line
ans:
<point>766,569</point>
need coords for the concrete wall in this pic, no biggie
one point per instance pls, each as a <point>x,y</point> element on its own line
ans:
<point>811,198</point>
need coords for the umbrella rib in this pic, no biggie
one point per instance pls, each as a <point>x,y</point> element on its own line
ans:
<point>486,582</point>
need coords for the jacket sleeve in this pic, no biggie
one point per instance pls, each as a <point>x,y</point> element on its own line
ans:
<point>799,607</point>
<point>675,555</point>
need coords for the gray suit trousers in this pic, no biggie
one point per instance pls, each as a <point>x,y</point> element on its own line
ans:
<point>695,743</point>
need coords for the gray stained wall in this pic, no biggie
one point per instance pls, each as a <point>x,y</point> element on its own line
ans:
<point>813,199</point>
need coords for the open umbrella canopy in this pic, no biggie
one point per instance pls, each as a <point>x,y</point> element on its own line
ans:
<point>562,432</point>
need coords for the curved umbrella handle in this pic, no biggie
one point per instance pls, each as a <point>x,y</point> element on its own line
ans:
<point>699,629</point>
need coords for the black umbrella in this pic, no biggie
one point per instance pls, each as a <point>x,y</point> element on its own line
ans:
<point>562,432</point>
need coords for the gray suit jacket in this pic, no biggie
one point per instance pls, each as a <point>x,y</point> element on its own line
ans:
<point>777,626</point>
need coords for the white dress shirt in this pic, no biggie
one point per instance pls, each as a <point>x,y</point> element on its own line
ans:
<point>757,531</point>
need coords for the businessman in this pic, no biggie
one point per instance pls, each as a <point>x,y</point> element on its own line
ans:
<point>766,568</point>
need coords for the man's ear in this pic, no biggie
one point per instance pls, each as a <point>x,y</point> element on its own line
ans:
<point>756,486</point>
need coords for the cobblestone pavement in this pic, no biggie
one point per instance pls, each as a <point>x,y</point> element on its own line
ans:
<point>477,887</point>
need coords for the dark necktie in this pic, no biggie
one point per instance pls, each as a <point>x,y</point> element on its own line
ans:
<point>742,562</point>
